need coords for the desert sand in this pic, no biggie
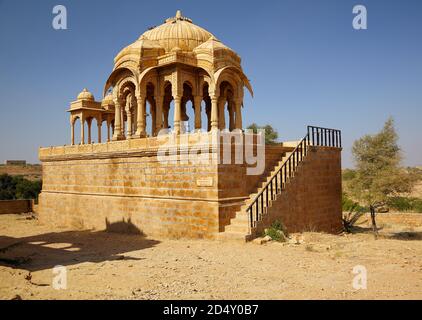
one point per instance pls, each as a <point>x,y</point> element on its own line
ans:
<point>104,265</point>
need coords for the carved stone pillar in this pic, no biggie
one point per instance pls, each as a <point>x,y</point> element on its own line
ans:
<point>117,134</point>
<point>140,131</point>
<point>238,113</point>
<point>129,122</point>
<point>123,123</point>
<point>72,132</point>
<point>214,113</point>
<point>82,129</point>
<point>89,121</point>
<point>99,131</point>
<point>134,116</point>
<point>158,114</point>
<point>177,113</point>
<point>108,130</point>
<point>197,105</point>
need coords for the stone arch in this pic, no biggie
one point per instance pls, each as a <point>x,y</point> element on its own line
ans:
<point>76,137</point>
<point>117,76</point>
<point>128,110</point>
<point>236,76</point>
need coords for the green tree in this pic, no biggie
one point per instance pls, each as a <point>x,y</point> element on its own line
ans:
<point>17,187</point>
<point>271,135</point>
<point>378,175</point>
<point>26,189</point>
<point>7,187</point>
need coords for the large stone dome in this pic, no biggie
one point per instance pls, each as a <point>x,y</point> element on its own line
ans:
<point>178,32</point>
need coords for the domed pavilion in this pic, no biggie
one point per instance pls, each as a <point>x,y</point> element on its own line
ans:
<point>174,74</point>
<point>176,163</point>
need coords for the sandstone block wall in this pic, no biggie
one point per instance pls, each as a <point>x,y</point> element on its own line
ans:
<point>312,200</point>
<point>123,186</point>
<point>234,181</point>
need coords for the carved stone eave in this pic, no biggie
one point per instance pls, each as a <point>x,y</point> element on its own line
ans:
<point>85,104</point>
<point>177,57</point>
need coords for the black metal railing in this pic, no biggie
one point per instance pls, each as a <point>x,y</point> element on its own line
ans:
<point>324,137</point>
<point>316,136</point>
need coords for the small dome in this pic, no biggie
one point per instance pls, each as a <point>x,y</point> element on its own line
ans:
<point>108,100</point>
<point>212,44</point>
<point>86,95</point>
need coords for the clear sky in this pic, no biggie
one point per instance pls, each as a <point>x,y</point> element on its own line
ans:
<point>305,61</point>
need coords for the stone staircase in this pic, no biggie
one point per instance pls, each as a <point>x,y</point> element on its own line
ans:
<point>239,227</point>
<point>254,215</point>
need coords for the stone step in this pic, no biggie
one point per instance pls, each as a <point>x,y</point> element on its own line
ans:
<point>238,229</point>
<point>232,236</point>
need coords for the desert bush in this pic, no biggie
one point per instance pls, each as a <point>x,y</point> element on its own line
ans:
<point>277,231</point>
<point>405,204</point>
<point>348,204</point>
<point>348,174</point>
<point>351,217</point>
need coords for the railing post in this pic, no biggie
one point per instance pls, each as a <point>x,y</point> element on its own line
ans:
<point>272,192</point>
<point>317,143</point>
<point>340,138</point>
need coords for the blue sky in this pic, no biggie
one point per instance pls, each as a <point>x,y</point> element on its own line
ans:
<point>306,63</point>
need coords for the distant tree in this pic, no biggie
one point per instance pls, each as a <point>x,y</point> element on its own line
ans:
<point>271,135</point>
<point>7,187</point>
<point>17,187</point>
<point>26,189</point>
<point>378,173</point>
<point>348,174</point>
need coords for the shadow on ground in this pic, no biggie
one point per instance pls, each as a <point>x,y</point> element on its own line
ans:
<point>385,234</point>
<point>359,229</point>
<point>403,235</point>
<point>66,248</point>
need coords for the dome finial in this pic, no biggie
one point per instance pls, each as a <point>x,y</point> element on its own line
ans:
<point>85,95</point>
<point>178,14</point>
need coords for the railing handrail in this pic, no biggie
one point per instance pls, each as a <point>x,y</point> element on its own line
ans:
<point>317,127</point>
<point>334,140</point>
<point>283,165</point>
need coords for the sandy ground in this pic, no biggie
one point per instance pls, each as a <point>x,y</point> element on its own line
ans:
<point>113,266</point>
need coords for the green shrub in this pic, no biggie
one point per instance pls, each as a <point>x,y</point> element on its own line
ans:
<point>271,134</point>
<point>348,174</point>
<point>350,205</point>
<point>17,187</point>
<point>405,204</point>
<point>277,231</point>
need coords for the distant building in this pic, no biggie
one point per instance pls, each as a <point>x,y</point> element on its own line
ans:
<point>15,162</point>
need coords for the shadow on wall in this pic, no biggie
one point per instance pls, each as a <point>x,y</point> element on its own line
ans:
<point>67,248</point>
<point>123,226</point>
